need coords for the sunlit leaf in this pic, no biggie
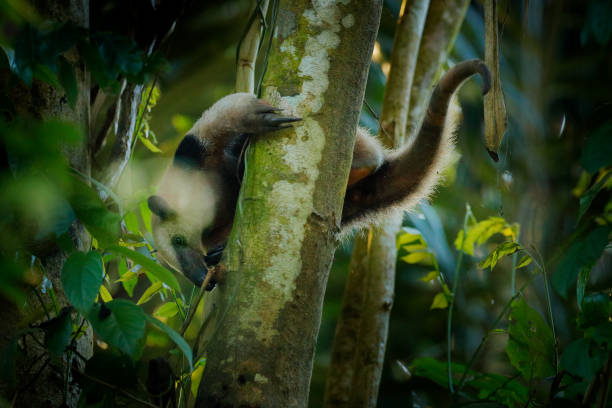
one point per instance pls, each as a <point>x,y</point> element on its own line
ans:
<point>168,309</point>
<point>431,276</point>
<point>524,261</point>
<point>149,145</point>
<point>420,257</point>
<point>105,294</point>
<point>439,302</point>
<point>150,292</point>
<point>503,249</point>
<point>479,233</point>
<point>196,378</point>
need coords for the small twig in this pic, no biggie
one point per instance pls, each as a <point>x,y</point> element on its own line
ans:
<point>115,388</point>
<point>194,305</point>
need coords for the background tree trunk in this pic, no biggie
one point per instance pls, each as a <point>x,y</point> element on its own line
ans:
<point>289,211</point>
<point>51,379</point>
<point>361,334</point>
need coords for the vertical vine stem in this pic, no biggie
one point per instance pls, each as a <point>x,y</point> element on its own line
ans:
<point>541,265</point>
<point>468,214</point>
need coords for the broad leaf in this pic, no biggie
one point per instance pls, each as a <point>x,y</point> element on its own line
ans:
<point>577,360</point>
<point>597,151</point>
<point>82,276</point>
<point>582,254</point>
<point>122,325</point>
<point>67,79</point>
<point>530,342</point>
<point>595,309</point>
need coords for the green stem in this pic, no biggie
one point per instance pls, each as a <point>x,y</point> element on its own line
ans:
<point>468,212</point>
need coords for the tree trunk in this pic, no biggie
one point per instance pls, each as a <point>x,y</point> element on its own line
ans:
<point>419,50</point>
<point>50,378</point>
<point>289,211</point>
<point>361,334</point>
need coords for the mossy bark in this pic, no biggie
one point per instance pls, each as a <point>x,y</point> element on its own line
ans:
<point>288,217</point>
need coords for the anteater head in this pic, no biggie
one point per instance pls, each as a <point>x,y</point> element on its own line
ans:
<point>183,211</point>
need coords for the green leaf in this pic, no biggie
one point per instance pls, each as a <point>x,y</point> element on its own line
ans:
<point>122,325</point>
<point>601,334</point>
<point>597,151</point>
<point>431,276</point>
<point>168,309</point>
<point>503,249</point>
<point>582,254</point>
<point>480,233</point>
<point>508,392</point>
<point>45,74</point>
<point>577,360</point>
<point>524,261</point>
<point>530,342</point>
<point>127,278</point>
<point>67,79</point>
<point>131,222</point>
<point>422,257</point>
<point>595,309</point>
<point>440,302</point>
<point>58,332</point>
<point>150,292</point>
<point>150,265</point>
<point>91,211</point>
<point>149,145</point>
<point>82,276</point>
<point>175,337</point>
<point>583,279</point>
<point>588,196</point>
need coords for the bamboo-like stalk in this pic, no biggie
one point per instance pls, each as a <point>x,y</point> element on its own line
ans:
<point>361,333</point>
<point>249,47</point>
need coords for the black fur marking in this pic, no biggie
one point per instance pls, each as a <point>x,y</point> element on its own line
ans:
<point>190,153</point>
<point>160,207</point>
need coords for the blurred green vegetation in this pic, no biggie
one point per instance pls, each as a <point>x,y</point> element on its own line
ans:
<point>539,220</point>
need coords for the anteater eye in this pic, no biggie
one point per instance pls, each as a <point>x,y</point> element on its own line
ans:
<point>179,240</point>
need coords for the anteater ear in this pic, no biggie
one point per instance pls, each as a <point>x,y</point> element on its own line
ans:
<point>160,207</point>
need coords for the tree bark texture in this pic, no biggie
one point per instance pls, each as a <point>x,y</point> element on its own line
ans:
<point>289,211</point>
<point>357,361</point>
<point>37,371</point>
